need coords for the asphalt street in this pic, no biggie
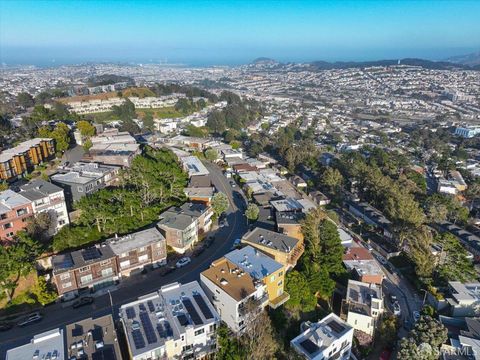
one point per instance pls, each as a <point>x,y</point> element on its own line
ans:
<point>59,315</point>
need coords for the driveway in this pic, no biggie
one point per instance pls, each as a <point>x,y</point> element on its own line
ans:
<point>59,315</point>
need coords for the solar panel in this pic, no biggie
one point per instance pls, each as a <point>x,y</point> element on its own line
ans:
<point>182,319</point>
<point>142,307</point>
<point>161,331</point>
<point>197,320</point>
<point>77,330</point>
<point>148,328</point>
<point>138,339</point>
<point>130,311</point>
<point>168,328</point>
<point>91,254</point>
<point>309,346</point>
<point>106,353</point>
<point>151,307</point>
<point>97,333</point>
<point>203,306</point>
<point>335,326</point>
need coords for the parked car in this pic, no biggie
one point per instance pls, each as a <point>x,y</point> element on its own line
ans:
<point>416,316</point>
<point>198,251</point>
<point>4,326</point>
<point>86,300</point>
<point>369,248</point>
<point>393,298</point>
<point>396,309</point>
<point>236,243</point>
<point>183,262</point>
<point>209,241</point>
<point>233,183</point>
<point>167,270</point>
<point>30,319</point>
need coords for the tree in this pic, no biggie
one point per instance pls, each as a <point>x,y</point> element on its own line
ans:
<point>148,122</point>
<point>87,144</point>
<point>252,212</point>
<point>86,129</point>
<point>40,226</point>
<point>301,296</point>
<point>25,100</point>
<point>258,340</point>
<point>126,111</point>
<point>228,345</point>
<point>220,203</point>
<point>211,154</point>
<point>332,179</point>
<point>44,293</point>
<point>216,122</point>
<point>387,330</point>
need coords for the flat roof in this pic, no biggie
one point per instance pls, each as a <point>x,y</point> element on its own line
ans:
<point>181,217</point>
<point>362,293</point>
<point>271,239</point>
<point>49,343</point>
<point>123,244</point>
<point>230,278</point>
<point>194,166</point>
<point>83,257</point>
<point>10,199</point>
<point>253,261</point>
<point>94,338</point>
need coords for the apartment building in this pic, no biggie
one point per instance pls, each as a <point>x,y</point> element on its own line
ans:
<point>135,251</point>
<point>371,216</point>
<point>262,268</point>
<point>360,262</point>
<point>231,291</point>
<point>289,223</point>
<point>120,154</point>
<point>328,339</point>
<point>84,178</point>
<point>21,159</point>
<point>464,299</point>
<point>94,267</point>
<point>193,166</point>
<point>15,210</point>
<point>176,322</point>
<point>181,226</point>
<point>92,338</point>
<point>47,345</point>
<point>47,198</point>
<point>282,248</point>
<point>363,305</point>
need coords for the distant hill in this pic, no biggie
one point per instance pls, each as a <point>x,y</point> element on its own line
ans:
<point>108,79</point>
<point>427,64</point>
<point>264,60</point>
<point>472,59</point>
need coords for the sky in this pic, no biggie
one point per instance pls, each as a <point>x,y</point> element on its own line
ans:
<point>234,32</point>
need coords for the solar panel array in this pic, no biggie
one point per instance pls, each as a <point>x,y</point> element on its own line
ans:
<point>130,311</point>
<point>91,254</point>
<point>335,326</point>
<point>164,329</point>
<point>197,320</point>
<point>142,307</point>
<point>151,307</point>
<point>309,346</point>
<point>138,339</point>
<point>148,328</point>
<point>182,319</point>
<point>203,306</point>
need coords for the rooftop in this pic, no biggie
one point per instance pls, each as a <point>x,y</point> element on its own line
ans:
<point>194,166</point>
<point>468,292</point>
<point>182,217</point>
<point>123,244</point>
<point>47,345</point>
<point>23,147</point>
<point>163,315</point>
<point>10,200</point>
<point>231,279</point>
<point>94,338</point>
<point>271,239</point>
<point>80,258</point>
<point>38,189</point>
<point>362,293</point>
<point>254,262</point>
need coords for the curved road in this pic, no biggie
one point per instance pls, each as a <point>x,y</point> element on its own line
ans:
<point>129,289</point>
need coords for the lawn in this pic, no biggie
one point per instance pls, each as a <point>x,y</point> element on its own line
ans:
<point>160,113</point>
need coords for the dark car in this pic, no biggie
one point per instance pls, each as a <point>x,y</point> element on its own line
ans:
<point>4,326</point>
<point>167,270</point>
<point>209,241</point>
<point>86,300</point>
<point>198,251</point>
<point>30,319</point>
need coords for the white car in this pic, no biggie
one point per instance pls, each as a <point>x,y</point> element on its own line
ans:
<point>183,262</point>
<point>30,319</point>
<point>396,309</point>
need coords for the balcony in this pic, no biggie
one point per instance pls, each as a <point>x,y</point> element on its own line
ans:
<point>279,300</point>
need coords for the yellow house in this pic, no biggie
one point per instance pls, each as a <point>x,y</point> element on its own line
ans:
<point>263,268</point>
<point>283,248</point>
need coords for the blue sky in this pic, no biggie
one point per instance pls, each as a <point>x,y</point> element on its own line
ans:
<point>235,31</point>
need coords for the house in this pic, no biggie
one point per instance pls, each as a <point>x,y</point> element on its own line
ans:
<point>360,262</point>
<point>47,198</point>
<point>345,237</point>
<point>231,154</point>
<point>84,178</point>
<point>136,250</point>
<point>470,241</point>
<point>92,338</point>
<point>464,299</point>
<point>113,136</point>
<point>371,216</point>
<point>47,345</point>
<point>319,198</point>
<point>176,322</point>
<point>21,159</point>
<point>262,268</point>
<point>181,226</point>
<point>193,166</point>
<point>328,339</point>
<point>282,248</point>
<point>230,290</point>
<point>120,154</point>
<point>289,223</point>
<point>200,194</point>
<point>363,305</point>
<point>15,210</point>
<point>298,182</point>
<point>94,267</point>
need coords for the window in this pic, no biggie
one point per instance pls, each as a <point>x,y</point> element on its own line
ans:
<point>105,262</point>
<point>272,278</point>
<point>10,234</point>
<point>86,279</point>
<point>61,222</point>
<point>3,216</point>
<point>65,276</point>
<point>84,269</point>
<point>124,264</point>
<point>66,285</point>
<point>21,212</point>
<point>107,272</point>
<point>280,283</point>
<point>159,244</point>
<point>141,249</point>
<point>79,189</point>
<point>143,258</point>
<point>123,254</point>
<point>280,274</point>
<point>199,332</point>
<point>7,226</point>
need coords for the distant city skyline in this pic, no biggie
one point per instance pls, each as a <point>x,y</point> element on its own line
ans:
<point>234,32</point>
